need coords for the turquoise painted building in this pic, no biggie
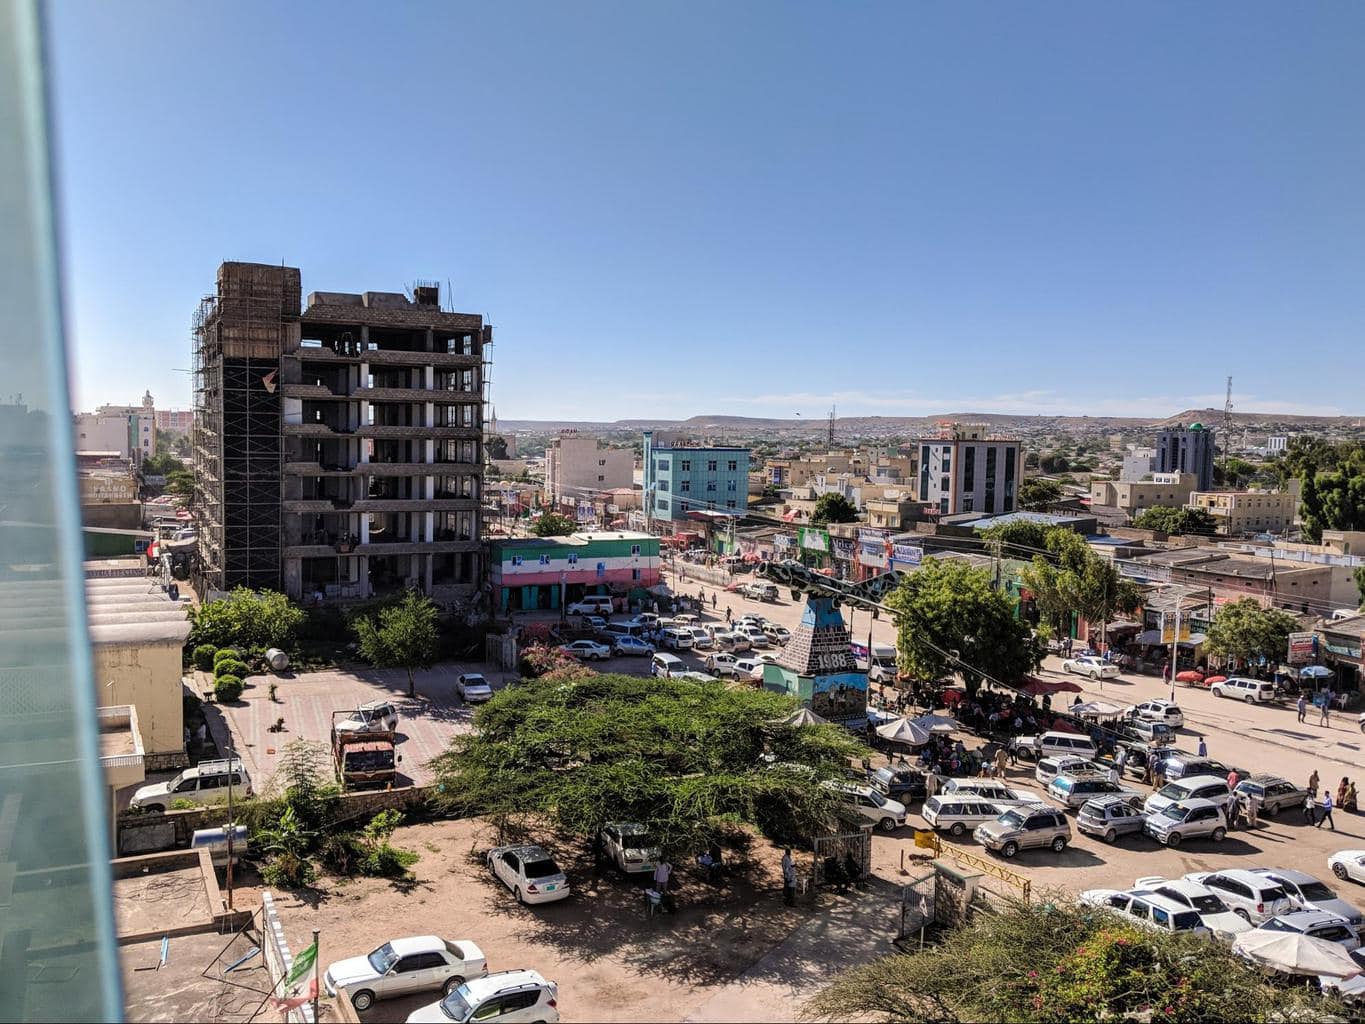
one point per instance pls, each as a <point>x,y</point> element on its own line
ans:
<point>680,479</point>
<point>535,572</point>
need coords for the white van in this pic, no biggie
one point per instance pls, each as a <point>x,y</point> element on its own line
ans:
<point>677,638</point>
<point>1054,744</point>
<point>959,813</point>
<point>989,789</point>
<point>593,604</point>
<point>665,665</point>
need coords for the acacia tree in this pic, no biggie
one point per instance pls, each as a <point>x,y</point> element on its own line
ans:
<point>947,606</point>
<point>403,636</point>
<point>246,619</point>
<point>1165,519</point>
<point>1055,960</point>
<point>1074,578</point>
<point>1243,630</point>
<point>552,524</point>
<point>575,750</point>
<point>833,507</point>
<point>1039,492</point>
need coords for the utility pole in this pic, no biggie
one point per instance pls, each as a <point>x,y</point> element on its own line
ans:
<point>1227,431</point>
<point>829,440</point>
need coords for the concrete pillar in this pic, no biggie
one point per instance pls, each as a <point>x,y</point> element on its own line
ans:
<point>364,529</point>
<point>426,577</point>
<point>429,376</point>
<point>364,579</point>
<point>431,340</point>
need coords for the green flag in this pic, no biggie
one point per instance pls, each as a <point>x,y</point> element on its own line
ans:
<point>295,994</point>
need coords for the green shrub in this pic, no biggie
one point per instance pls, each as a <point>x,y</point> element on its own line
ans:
<point>240,669</point>
<point>249,619</point>
<point>222,654</point>
<point>203,657</point>
<point>227,689</point>
<point>180,803</point>
<point>288,871</point>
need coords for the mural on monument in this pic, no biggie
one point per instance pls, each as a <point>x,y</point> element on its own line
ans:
<point>839,697</point>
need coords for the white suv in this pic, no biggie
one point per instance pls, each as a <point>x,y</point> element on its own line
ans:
<point>1187,819</point>
<point>1252,897</point>
<point>1148,909</point>
<point>593,604</point>
<point>1253,691</point>
<point>508,997</point>
<point>885,813</point>
<point>203,783</point>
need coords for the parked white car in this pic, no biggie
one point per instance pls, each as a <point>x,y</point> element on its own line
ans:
<point>754,633</point>
<point>1251,897</point>
<point>1194,787</point>
<point>1158,711</point>
<point>665,665</point>
<point>1308,893</point>
<point>530,873</point>
<point>995,792</point>
<point>505,997</point>
<point>887,814</point>
<point>730,640</point>
<point>721,664</point>
<point>587,650</point>
<point>630,847</point>
<point>593,604</point>
<point>401,967</point>
<point>374,716</point>
<point>1253,691</point>
<point>749,668</point>
<point>1348,865</point>
<point>205,783</point>
<point>1095,668</point>
<point>473,688</point>
<point>1200,898</point>
<point>1148,910</point>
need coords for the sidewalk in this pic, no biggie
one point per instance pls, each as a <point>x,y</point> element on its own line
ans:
<point>842,932</point>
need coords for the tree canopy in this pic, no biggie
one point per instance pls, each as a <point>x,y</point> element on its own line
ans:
<point>1019,537</point>
<point>403,635</point>
<point>552,524</point>
<point>1244,630</point>
<point>248,620</point>
<point>1165,519</point>
<point>833,508</point>
<point>1039,492</point>
<point>1057,961</point>
<point>947,605</point>
<point>575,750</point>
<point>1074,578</point>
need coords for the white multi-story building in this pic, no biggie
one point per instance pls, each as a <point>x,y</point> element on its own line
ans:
<point>129,430</point>
<point>964,470</point>
<point>578,468</point>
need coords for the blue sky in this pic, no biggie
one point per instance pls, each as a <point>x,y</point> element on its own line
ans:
<point>752,209</point>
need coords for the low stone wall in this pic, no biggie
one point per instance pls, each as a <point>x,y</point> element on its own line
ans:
<point>220,919</point>
<point>149,833</point>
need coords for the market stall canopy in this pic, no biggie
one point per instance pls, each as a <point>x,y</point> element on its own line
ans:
<point>802,716</point>
<point>1315,672</point>
<point>936,723</point>
<point>1152,638</point>
<point>1296,953</point>
<point>902,730</point>
<point>1097,709</point>
<point>1038,687</point>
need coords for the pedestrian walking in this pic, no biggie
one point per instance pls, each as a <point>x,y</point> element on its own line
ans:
<point>1002,758</point>
<point>1313,784</point>
<point>1309,808</point>
<point>663,881</point>
<point>1233,779</point>
<point>1325,714</point>
<point>1234,814</point>
<point>1114,774</point>
<point>728,613</point>
<point>788,878</point>
<point>1203,747</point>
<point>713,600</point>
<point>1303,707</point>
<point>930,785</point>
<point>1326,813</point>
<point>1158,777</point>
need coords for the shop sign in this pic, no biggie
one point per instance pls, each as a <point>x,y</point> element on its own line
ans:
<point>908,554</point>
<point>813,540</point>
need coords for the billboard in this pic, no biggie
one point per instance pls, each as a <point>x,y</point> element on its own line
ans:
<point>1168,620</point>
<point>813,540</point>
<point>1303,648</point>
<point>907,554</point>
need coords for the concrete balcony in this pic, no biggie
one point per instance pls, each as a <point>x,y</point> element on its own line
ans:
<point>315,430</point>
<point>318,506</point>
<point>308,391</point>
<point>415,505</point>
<point>310,468</point>
<point>439,432</point>
<point>396,547</point>
<point>121,753</point>
<point>386,357</point>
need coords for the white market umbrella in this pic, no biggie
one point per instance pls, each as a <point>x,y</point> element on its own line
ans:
<point>802,716</point>
<point>902,730</point>
<point>1295,953</point>
<point>937,723</point>
<point>1096,709</point>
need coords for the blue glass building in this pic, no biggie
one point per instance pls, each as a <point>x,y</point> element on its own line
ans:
<point>679,479</point>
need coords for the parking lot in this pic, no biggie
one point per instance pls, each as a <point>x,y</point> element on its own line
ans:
<point>306,701</point>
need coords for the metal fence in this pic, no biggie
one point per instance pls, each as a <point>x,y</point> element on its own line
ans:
<point>838,847</point>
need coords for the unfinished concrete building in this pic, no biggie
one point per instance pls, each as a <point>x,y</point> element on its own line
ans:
<point>338,450</point>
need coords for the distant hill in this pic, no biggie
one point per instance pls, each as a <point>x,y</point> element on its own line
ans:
<point>924,425</point>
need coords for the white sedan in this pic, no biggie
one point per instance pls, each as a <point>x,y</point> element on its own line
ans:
<point>473,688</point>
<point>587,650</point>
<point>1211,909</point>
<point>1095,668</point>
<point>749,668</point>
<point>529,872</point>
<point>1348,865</point>
<point>721,664</point>
<point>404,966</point>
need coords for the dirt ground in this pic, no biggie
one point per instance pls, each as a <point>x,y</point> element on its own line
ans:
<point>611,961</point>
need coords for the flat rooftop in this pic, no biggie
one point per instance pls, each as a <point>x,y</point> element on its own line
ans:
<point>131,609</point>
<point>574,539</point>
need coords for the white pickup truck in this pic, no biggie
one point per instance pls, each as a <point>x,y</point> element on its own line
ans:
<point>404,966</point>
